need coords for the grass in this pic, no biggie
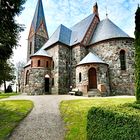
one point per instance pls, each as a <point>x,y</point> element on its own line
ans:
<point>75,113</point>
<point>6,95</point>
<point>11,113</point>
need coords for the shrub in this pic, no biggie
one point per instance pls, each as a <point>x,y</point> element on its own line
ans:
<point>114,123</point>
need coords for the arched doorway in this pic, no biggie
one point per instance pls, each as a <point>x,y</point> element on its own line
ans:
<point>92,78</point>
<point>47,83</point>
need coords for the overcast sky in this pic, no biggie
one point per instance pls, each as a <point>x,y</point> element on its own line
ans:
<point>69,12</point>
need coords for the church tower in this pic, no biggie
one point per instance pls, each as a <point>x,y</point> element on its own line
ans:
<point>38,34</point>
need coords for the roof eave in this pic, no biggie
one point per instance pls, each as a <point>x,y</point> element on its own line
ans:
<point>92,63</point>
<point>111,39</point>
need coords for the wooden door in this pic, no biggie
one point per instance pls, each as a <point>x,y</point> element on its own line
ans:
<point>92,78</point>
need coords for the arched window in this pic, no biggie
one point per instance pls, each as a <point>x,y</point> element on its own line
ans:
<point>47,64</point>
<point>52,81</point>
<point>30,47</point>
<point>122,60</point>
<point>80,77</point>
<point>53,65</point>
<point>27,78</point>
<point>38,63</point>
<point>32,63</point>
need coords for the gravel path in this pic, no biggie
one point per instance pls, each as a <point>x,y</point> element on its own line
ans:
<point>44,121</point>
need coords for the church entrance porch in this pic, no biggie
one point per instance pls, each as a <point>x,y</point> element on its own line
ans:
<point>92,78</point>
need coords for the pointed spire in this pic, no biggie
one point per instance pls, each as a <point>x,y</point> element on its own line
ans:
<point>38,19</point>
<point>38,16</point>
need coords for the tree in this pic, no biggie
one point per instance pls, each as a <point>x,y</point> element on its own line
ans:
<point>7,73</point>
<point>137,54</point>
<point>19,68</point>
<point>9,29</point>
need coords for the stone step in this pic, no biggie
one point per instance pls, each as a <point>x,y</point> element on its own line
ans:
<point>94,93</point>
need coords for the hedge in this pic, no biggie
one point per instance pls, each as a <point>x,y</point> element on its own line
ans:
<point>114,123</point>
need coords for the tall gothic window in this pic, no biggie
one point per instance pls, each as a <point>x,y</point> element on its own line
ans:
<point>30,47</point>
<point>52,81</point>
<point>80,77</point>
<point>38,63</point>
<point>122,60</point>
<point>27,78</point>
<point>32,63</point>
<point>53,65</point>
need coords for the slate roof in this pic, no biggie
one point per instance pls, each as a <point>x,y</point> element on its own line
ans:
<point>70,36</point>
<point>90,58</point>
<point>41,52</point>
<point>106,29</point>
<point>38,16</point>
<point>79,30</point>
<point>62,34</point>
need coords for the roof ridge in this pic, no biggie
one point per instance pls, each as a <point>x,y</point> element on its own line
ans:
<point>81,21</point>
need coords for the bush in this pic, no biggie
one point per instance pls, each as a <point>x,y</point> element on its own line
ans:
<point>79,93</point>
<point>9,89</point>
<point>114,123</point>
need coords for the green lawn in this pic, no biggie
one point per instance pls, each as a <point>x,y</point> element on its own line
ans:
<point>6,95</point>
<point>11,113</point>
<point>75,113</point>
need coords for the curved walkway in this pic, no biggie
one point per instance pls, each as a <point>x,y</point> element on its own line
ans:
<point>44,121</point>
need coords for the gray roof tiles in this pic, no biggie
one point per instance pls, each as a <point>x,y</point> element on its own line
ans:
<point>38,16</point>
<point>41,52</point>
<point>70,36</point>
<point>90,58</point>
<point>79,30</point>
<point>106,29</point>
<point>62,34</point>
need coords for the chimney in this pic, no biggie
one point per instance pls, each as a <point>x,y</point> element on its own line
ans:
<point>95,9</point>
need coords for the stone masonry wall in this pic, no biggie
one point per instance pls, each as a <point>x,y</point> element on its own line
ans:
<point>78,53</point>
<point>39,42</point>
<point>102,77</point>
<point>37,81</point>
<point>53,51</point>
<point>64,69</point>
<point>121,81</point>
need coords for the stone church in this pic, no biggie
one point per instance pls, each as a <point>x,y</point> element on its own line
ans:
<point>94,56</point>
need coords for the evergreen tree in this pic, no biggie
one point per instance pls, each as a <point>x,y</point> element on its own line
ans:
<point>137,54</point>
<point>9,29</point>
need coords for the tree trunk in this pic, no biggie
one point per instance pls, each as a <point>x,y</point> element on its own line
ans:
<point>4,86</point>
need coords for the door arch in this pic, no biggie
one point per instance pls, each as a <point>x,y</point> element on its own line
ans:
<point>92,78</point>
<point>47,83</point>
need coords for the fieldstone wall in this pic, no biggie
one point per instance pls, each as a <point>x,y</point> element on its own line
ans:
<point>64,69</point>
<point>39,42</point>
<point>121,81</point>
<point>36,84</point>
<point>77,54</point>
<point>102,77</point>
<point>53,51</point>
